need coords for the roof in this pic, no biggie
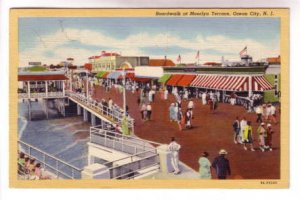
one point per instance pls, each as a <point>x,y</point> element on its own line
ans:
<point>50,77</point>
<point>273,59</point>
<point>104,54</point>
<point>212,63</point>
<point>161,62</point>
<point>88,66</point>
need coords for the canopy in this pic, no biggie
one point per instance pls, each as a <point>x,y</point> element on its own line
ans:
<point>186,80</point>
<point>115,75</point>
<point>164,78</point>
<point>232,82</point>
<point>174,79</point>
<point>100,74</point>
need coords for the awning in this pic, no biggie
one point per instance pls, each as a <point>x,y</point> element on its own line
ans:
<point>164,78</point>
<point>231,83</point>
<point>261,83</point>
<point>130,76</point>
<point>99,74</point>
<point>174,79</point>
<point>143,80</point>
<point>105,75</point>
<point>115,75</point>
<point>186,80</point>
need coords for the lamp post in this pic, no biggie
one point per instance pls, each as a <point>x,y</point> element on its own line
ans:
<point>87,85</point>
<point>124,92</point>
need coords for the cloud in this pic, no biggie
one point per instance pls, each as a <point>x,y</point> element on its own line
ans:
<point>134,44</point>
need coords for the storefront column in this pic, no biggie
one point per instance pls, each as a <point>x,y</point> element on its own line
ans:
<point>250,86</point>
<point>63,87</point>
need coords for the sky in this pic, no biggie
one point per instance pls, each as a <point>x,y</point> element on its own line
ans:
<point>52,40</point>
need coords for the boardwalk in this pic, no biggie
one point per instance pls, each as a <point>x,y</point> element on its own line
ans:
<point>211,132</point>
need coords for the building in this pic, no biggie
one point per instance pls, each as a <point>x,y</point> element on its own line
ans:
<point>112,61</point>
<point>161,63</point>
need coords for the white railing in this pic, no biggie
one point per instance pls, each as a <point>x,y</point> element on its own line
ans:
<point>243,101</point>
<point>40,95</point>
<point>115,114</point>
<point>50,163</point>
<point>143,152</point>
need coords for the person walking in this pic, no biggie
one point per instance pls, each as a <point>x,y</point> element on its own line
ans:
<point>243,124</point>
<point>166,94</point>
<point>188,118</point>
<point>221,165</point>
<point>261,131</point>
<point>180,119</point>
<point>172,114</point>
<point>272,116</point>
<point>174,148</point>
<point>204,166</point>
<point>143,109</point>
<point>149,111</point>
<point>259,111</point>
<point>191,106</point>
<point>236,129</point>
<point>204,102</point>
<point>268,139</point>
<point>248,136</point>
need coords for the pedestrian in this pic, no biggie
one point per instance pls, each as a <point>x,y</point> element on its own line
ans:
<point>261,131</point>
<point>259,111</point>
<point>143,109</point>
<point>172,114</point>
<point>149,111</point>
<point>188,118</point>
<point>236,129</point>
<point>221,165</point>
<point>174,148</point>
<point>204,166</point>
<point>248,136</point>
<point>268,139</point>
<point>243,124</point>
<point>265,113</point>
<point>186,95</point>
<point>204,102</point>
<point>272,116</point>
<point>191,106</point>
<point>180,119</point>
<point>166,94</point>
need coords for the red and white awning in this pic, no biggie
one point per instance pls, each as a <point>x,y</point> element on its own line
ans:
<point>232,82</point>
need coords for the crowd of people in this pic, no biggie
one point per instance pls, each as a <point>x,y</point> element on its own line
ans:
<point>220,163</point>
<point>243,131</point>
<point>29,168</point>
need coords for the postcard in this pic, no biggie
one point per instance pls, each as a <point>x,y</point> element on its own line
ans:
<point>149,98</point>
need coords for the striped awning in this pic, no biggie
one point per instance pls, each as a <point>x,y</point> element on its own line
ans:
<point>231,82</point>
<point>174,79</point>
<point>186,80</point>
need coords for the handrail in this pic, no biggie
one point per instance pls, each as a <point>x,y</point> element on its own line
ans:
<point>116,113</point>
<point>121,135</point>
<point>52,157</point>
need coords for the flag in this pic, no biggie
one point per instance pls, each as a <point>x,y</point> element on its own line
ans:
<point>198,55</point>
<point>179,58</point>
<point>243,51</point>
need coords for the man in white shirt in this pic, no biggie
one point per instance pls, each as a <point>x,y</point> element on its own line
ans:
<point>174,148</point>
<point>204,98</point>
<point>259,112</point>
<point>191,107</point>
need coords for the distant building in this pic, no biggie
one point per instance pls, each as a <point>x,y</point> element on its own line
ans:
<point>274,60</point>
<point>161,63</point>
<point>112,61</point>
